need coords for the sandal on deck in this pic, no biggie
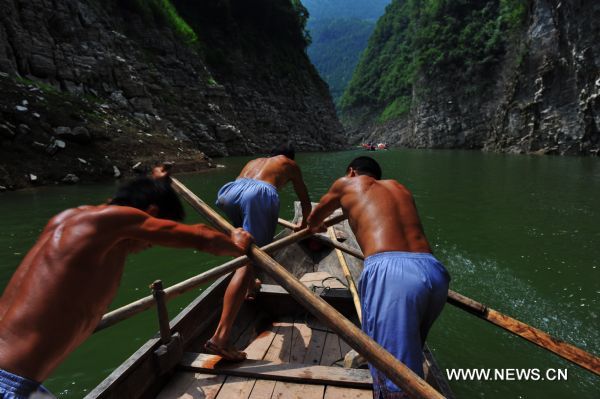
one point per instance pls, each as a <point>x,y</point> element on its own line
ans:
<point>227,353</point>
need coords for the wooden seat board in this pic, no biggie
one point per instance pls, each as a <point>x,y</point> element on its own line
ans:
<point>292,372</point>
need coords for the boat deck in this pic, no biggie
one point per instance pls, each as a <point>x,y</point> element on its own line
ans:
<point>289,348</point>
<point>287,341</point>
<point>290,353</point>
<point>291,357</point>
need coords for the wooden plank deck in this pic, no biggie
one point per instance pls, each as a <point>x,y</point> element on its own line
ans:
<point>302,341</point>
<point>285,341</point>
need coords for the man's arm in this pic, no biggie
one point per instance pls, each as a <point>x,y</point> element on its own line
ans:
<point>301,192</point>
<point>328,204</point>
<point>138,225</point>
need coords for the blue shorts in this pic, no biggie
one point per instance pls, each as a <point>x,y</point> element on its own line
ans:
<point>13,386</point>
<point>401,295</point>
<point>252,205</point>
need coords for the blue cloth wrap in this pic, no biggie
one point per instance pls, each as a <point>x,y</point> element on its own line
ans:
<point>401,294</point>
<point>252,205</point>
<point>13,386</point>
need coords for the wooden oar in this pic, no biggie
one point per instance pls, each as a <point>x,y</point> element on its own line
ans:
<point>347,274</point>
<point>332,243</point>
<point>287,224</point>
<point>173,291</point>
<point>373,352</point>
<point>544,340</point>
<point>339,248</point>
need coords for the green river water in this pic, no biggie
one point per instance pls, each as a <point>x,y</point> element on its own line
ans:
<point>518,233</point>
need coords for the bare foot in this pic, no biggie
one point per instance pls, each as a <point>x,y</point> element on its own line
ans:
<point>226,352</point>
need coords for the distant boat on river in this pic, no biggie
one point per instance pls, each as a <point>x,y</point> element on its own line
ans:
<point>374,147</point>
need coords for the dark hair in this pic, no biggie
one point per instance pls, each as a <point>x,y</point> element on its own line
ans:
<point>286,149</point>
<point>365,166</point>
<point>144,191</point>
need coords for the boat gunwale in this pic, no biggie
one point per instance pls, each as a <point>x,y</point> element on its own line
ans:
<point>145,352</point>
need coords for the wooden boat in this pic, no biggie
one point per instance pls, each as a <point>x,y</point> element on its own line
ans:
<point>290,353</point>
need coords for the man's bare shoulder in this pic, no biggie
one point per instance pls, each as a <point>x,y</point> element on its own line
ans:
<point>283,166</point>
<point>396,186</point>
<point>253,164</point>
<point>103,216</point>
<point>361,182</point>
<point>283,161</point>
<point>67,214</point>
<point>346,184</point>
<point>256,160</point>
<point>392,183</point>
<point>118,212</point>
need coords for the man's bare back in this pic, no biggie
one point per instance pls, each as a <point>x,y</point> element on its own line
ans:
<point>256,208</point>
<point>65,283</point>
<point>402,287</point>
<point>278,171</point>
<point>381,213</point>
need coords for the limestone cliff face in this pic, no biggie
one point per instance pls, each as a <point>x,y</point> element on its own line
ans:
<point>92,88</point>
<point>541,97</point>
<point>551,103</point>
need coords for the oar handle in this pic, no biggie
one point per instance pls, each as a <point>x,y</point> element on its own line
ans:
<point>285,223</point>
<point>534,335</point>
<point>347,274</point>
<point>127,311</point>
<point>471,306</point>
<point>115,316</point>
<point>328,241</point>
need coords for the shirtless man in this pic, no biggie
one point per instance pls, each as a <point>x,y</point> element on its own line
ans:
<point>252,202</point>
<point>403,287</point>
<point>65,283</point>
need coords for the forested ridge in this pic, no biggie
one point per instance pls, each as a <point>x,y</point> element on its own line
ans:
<point>463,40</point>
<point>518,76</point>
<point>339,32</point>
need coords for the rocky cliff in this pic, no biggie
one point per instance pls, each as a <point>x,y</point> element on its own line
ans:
<point>96,89</point>
<point>521,83</point>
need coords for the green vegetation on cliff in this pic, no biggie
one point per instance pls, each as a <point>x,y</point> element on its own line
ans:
<point>163,12</point>
<point>236,36</point>
<point>456,41</point>
<point>302,18</point>
<point>289,16</point>
<point>336,48</point>
<point>279,20</point>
